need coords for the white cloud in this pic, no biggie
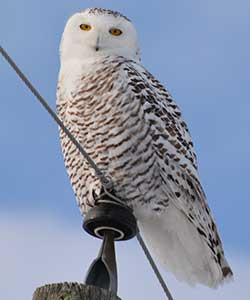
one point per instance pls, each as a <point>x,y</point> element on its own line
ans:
<point>40,250</point>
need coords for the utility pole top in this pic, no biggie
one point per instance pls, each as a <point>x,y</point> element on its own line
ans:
<point>72,291</point>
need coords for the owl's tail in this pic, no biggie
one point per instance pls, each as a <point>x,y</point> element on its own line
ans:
<point>180,250</point>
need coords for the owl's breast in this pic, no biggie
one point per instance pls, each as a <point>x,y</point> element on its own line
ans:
<point>109,123</point>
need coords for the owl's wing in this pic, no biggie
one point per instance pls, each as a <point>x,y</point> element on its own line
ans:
<point>170,135</point>
<point>177,159</point>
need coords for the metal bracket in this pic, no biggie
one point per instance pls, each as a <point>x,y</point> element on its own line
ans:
<point>103,271</point>
<point>111,222</point>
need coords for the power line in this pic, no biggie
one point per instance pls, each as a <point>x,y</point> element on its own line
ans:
<point>153,266</point>
<point>107,184</point>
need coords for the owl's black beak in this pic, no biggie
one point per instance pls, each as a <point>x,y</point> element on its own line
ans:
<point>97,47</point>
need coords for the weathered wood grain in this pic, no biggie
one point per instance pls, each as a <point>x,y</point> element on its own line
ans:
<point>72,291</point>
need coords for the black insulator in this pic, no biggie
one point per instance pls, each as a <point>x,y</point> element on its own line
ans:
<point>108,220</point>
<point>110,216</point>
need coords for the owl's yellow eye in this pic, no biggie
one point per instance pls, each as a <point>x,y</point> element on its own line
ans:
<point>85,27</point>
<point>115,31</point>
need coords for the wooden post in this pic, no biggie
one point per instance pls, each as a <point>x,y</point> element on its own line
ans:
<point>72,291</point>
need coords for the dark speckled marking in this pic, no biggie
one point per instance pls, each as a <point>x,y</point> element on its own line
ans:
<point>102,11</point>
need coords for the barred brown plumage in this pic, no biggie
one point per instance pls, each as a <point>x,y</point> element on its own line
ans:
<point>130,125</point>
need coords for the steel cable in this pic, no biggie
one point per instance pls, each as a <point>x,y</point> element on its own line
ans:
<point>107,184</point>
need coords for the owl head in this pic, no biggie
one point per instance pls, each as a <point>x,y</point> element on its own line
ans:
<point>99,32</point>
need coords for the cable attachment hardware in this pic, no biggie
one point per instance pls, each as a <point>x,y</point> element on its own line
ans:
<point>111,216</point>
<point>103,271</point>
<point>110,221</point>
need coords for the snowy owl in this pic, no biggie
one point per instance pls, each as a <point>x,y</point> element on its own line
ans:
<point>130,125</point>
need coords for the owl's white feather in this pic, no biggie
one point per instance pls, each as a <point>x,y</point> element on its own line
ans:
<point>130,125</point>
<point>179,248</point>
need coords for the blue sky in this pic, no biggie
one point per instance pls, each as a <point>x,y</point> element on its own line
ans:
<point>200,51</point>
